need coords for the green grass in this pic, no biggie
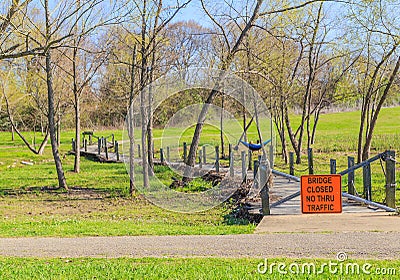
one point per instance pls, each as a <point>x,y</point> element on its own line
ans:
<point>165,175</point>
<point>177,268</point>
<point>72,215</point>
<point>99,205</point>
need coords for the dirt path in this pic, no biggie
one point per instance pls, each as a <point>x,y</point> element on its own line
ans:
<point>375,245</point>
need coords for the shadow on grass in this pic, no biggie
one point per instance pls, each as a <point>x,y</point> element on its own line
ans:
<point>74,193</point>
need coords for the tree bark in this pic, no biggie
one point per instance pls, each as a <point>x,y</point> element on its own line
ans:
<point>143,79</point>
<point>131,126</point>
<point>222,127</point>
<point>59,129</point>
<point>77,162</point>
<point>62,183</point>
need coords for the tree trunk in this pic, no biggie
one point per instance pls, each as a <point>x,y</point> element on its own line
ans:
<point>244,118</point>
<point>365,105</point>
<point>280,127</point>
<point>77,162</point>
<point>292,138</point>
<point>222,127</point>
<point>374,117</point>
<point>150,142</point>
<point>131,126</point>
<point>143,104</point>
<point>316,119</point>
<point>361,131</point>
<point>62,183</point>
<point>41,125</point>
<point>199,127</point>
<point>59,130</point>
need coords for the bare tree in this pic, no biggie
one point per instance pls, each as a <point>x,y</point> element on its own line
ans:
<point>225,63</point>
<point>62,183</point>
<point>378,66</point>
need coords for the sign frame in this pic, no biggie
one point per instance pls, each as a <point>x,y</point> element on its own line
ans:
<point>321,194</point>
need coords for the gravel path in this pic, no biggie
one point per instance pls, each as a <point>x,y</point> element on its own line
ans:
<point>375,245</point>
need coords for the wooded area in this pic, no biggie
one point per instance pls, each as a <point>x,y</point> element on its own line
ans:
<point>73,64</point>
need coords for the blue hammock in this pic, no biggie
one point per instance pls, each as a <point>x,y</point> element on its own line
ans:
<point>254,147</point>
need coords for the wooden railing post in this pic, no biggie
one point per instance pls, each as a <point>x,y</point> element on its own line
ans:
<point>350,176</point>
<point>231,162</point>
<point>263,179</point>
<point>333,166</point>
<point>168,155</point>
<point>291,163</point>
<point>85,144</point>
<point>200,158</point>
<point>391,178</point>
<point>367,181</point>
<point>230,153</point>
<point>184,152</point>
<point>73,145</point>
<point>98,146</point>
<point>162,156</point>
<point>117,150</point>
<point>250,159</point>
<point>255,173</point>
<point>217,159</point>
<point>244,169</point>
<point>106,150</point>
<point>204,155</point>
<point>139,153</point>
<point>310,161</point>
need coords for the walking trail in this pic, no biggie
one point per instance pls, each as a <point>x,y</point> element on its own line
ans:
<point>359,235</point>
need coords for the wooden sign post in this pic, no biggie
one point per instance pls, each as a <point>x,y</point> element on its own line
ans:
<point>321,194</point>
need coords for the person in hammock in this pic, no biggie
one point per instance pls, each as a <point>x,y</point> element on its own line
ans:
<point>254,147</point>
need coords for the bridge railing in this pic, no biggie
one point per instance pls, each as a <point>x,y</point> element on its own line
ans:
<point>389,157</point>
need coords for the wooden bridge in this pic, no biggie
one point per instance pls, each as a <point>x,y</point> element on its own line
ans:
<point>99,148</point>
<point>286,188</point>
<point>284,195</point>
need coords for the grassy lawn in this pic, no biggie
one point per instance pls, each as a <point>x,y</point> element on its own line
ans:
<point>98,203</point>
<point>73,215</point>
<point>187,268</point>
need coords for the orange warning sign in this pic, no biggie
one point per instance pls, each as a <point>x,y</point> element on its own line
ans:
<point>321,194</point>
